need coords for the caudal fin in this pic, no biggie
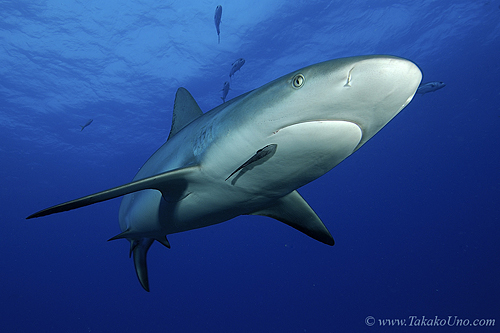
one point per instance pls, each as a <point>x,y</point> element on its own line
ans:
<point>140,249</point>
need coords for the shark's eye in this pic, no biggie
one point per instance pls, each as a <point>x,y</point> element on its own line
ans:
<point>298,81</point>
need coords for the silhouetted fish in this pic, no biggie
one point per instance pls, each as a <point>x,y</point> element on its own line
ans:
<point>225,91</point>
<point>217,18</point>
<point>236,66</point>
<point>430,87</point>
<point>86,124</point>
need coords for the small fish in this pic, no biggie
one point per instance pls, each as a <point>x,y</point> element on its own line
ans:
<point>217,18</point>
<point>86,124</point>
<point>259,155</point>
<point>236,66</point>
<point>430,87</point>
<point>225,91</point>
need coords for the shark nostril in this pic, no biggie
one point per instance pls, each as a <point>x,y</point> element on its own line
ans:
<point>348,82</point>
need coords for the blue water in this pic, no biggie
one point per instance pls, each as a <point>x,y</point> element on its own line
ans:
<point>414,213</point>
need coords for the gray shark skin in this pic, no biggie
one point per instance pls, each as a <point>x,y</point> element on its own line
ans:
<point>217,19</point>
<point>430,87</point>
<point>249,155</point>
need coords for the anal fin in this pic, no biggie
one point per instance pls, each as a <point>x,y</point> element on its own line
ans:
<point>294,211</point>
<point>163,241</point>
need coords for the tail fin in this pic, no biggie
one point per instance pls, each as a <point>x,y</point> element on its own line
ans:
<point>140,249</point>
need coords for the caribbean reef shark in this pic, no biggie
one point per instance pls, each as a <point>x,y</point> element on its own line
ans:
<point>249,155</point>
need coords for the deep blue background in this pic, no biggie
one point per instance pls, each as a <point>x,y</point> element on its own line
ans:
<point>415,212</point>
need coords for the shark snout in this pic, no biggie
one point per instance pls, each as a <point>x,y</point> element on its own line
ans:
<point>387,74</point>
<point>373,90</point>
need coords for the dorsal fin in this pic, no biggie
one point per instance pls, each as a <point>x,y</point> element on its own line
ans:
<point>185,111</point>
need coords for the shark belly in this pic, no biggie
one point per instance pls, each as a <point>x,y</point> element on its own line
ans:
<point>305,151</point>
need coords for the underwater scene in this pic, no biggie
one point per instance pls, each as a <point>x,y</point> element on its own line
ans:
<point>257,166</point>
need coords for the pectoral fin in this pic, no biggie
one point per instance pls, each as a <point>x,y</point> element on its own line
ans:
<point>171,184</point>
<point>293,210</point>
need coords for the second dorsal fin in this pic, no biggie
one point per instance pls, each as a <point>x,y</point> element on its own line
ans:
<point>185,111</point>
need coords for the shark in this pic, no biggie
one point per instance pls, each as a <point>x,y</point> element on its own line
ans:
<point>249,155</point>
